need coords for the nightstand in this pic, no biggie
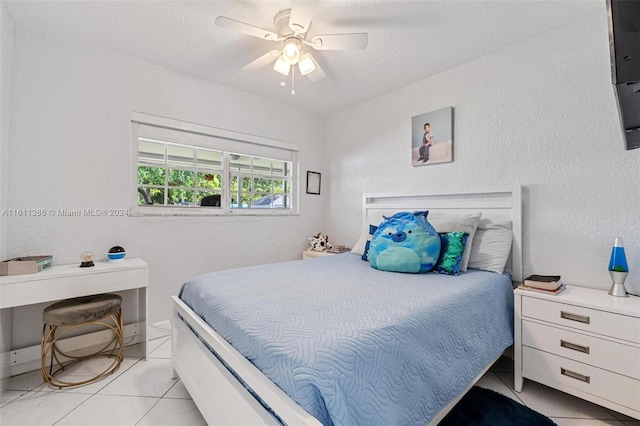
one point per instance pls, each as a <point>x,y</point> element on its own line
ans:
<point>312,254</point>
<point>581,341</point>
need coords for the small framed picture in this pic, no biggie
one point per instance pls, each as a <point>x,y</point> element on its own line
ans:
<point>432,137</point>
<point>313,183</point>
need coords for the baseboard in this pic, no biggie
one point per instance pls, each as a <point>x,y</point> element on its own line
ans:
<point>28,359</point>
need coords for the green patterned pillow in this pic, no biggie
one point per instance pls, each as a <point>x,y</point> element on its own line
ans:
<point>450,259</point>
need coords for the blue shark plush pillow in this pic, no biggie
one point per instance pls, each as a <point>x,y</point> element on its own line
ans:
<point>405,242</point>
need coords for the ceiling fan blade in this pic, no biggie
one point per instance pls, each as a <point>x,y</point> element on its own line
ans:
<point>355,41</point>
<point>232,24</point>
<point>262,61</point>
<point>316,74</point>
<point>301,13</point>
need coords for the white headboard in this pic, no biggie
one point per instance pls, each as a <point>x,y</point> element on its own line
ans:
<point>497,204</point>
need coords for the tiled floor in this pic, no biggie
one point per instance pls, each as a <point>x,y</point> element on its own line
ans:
<point>143,393</point>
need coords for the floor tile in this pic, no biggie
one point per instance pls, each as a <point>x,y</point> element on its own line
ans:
<point>159,330</point>
<point>173,412</point>
<point>554,403</point>
<point>10,395</point>
<point>561,421</point>
<point>491,381</point>
<point>85,371</point>
<point>90,367</point>
<point>135,351</point>
<point>503,365</point>
<point>506,377</point>
<point>153,344</point>
<point>622,417</point>
<point>178,391</point>
<point>146,378</point>
<point>26,381</point>
<point>109,410</point>
<point>40,408</point>
<point>162,351</point>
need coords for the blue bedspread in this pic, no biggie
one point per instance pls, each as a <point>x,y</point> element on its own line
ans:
<point>357,346</point>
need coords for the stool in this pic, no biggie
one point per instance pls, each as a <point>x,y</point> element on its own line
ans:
<point>104,310</point>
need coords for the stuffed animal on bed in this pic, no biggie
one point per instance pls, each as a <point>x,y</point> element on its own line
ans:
<point>319,242</point>
<point>405,242</point>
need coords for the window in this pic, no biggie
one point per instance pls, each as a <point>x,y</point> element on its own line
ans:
<point>191,169</point>
<point>177,175</point>
<point>259,183</point>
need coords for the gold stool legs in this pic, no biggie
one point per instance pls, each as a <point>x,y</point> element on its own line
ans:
<point>60,360</point>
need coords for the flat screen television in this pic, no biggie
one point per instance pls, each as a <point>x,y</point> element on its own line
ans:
<point>624,46</point>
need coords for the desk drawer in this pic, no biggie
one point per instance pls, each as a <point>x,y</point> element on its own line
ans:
<point>595,351</point>
<point>595,381</point>
<point>586,319</point>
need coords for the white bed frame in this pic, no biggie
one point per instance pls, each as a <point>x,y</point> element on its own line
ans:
<point>223,399</point>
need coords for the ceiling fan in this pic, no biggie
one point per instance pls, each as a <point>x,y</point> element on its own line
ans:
<point>291,27</point>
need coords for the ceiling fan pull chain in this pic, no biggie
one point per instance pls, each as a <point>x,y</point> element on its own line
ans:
<point>293,80</point>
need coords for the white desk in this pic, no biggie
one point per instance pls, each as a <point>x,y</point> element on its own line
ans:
<point>67,281</point>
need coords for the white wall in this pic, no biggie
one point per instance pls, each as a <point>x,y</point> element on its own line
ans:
<point>70,148</point>
<point>540,113</point>
<point>6,41</point>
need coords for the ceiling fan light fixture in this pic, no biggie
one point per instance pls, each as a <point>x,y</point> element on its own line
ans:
<point>306,64</point>
<point>291,26</point>
<point>281,66</point>
<point>291,51</point>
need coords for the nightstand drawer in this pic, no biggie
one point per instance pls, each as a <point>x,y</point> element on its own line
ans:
<point>603,384</point>
<point>591,320</point>
<point>598,352</point>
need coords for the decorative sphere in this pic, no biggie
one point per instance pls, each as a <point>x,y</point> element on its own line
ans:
<point>116,253</point>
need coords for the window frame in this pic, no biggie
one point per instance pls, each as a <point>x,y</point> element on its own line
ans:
<point>167,166</point>
<point>242,144</point>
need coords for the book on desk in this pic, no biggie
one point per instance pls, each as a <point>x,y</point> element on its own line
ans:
<point>543,282</point>
<point>25,265</point>
<point>541,290</point>
<point>339,249</point>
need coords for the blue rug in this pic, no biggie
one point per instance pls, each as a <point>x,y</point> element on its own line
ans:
<point>484,407</point>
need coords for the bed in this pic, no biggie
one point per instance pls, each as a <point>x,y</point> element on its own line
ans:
<point>334,341</point>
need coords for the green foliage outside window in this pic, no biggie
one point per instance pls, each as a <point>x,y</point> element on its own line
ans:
<point>181,175</point>
<point>181,185</point>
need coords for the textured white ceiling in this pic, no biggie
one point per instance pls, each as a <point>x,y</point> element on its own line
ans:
<point>408,40</point>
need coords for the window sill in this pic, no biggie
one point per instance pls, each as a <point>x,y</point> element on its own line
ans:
<point>142,211</point>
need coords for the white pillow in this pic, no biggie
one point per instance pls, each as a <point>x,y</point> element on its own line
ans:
<point>358,248</point>
<point>491,247</point>
<point>361,245</point>
<point>457,223</point>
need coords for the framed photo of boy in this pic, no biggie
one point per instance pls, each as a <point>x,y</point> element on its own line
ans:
<point>432,137</point>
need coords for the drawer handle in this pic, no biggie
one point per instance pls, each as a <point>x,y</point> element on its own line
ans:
<point>573,346</point>
<point>575,375</point>
<point>574,317</point>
